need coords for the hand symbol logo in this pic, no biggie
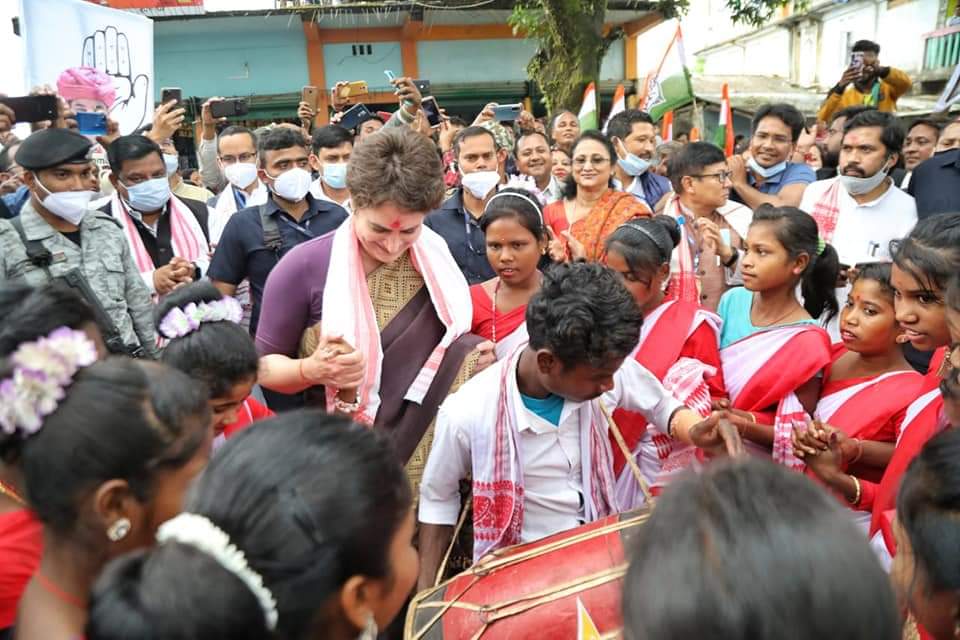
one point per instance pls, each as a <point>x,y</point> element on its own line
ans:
<point>108,50</point>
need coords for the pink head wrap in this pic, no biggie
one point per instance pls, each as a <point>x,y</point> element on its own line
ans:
<point>86,83</point>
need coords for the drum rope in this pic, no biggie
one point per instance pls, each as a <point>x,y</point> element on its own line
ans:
<point>631,461</point>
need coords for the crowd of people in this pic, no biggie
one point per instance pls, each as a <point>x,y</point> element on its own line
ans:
<point>276,396</point>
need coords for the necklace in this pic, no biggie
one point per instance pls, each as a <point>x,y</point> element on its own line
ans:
<point>496,290</point>
<point>769,324</point>
<point>51,587</point>
<point>10,492</point>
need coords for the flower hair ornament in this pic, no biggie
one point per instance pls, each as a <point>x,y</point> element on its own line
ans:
<point>42,371</point>
<point>523,183</point>
<point>200,533</point>
<point>182,321</point>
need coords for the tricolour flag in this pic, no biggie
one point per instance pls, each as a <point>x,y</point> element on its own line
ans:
<point>668,85</point>
<point>666,127</point>
<point>619,105</point>
<point>723,137</point>
<point>586,628</point>
<point>588,110</point>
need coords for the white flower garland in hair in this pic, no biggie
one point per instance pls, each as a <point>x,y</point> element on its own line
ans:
<point>200,533</point>
<point>42,371</point>
<point>526,184</point>
<point>182,321</point>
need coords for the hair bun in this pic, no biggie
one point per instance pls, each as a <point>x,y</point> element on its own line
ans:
<point>669,225</point>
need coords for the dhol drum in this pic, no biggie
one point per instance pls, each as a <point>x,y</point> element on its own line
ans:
<point>531,590</point>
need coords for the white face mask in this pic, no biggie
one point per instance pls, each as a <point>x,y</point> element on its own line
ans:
<point>766,172</point>
<point>292,185</point>
<point>857,186</point>
<point>69,205</point>
<point>241,174</point>
<point>480,183</point>
<point>171,162</point>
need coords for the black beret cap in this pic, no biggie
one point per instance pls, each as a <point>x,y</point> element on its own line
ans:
<point>51,147</point>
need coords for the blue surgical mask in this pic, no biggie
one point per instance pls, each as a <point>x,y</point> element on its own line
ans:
<point>335,174</point>
<point>766,172</point>
<point>149,195</point>
<point>634,165</point>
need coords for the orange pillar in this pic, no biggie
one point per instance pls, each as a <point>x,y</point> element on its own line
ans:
<point>408,47</point>
<point>315,71</point>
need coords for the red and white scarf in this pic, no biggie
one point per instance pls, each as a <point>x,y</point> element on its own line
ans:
<point>498,469</point>
<point>186,236</point>
<point>350,311</point>
<point>772,358</point>
<point>226,206</point>
<point>826,210</point>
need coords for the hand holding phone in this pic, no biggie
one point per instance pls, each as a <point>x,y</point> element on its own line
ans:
<point>432,111</point>
<point>92,124</point>
<point>507,112</point>
<point>168,94</point>
<point>351,117</point>
<point>33,108</point>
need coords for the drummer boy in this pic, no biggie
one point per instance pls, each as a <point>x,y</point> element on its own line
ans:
<point>531,430</point>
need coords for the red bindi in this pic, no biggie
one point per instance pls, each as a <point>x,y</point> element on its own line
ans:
<point>395,224</point>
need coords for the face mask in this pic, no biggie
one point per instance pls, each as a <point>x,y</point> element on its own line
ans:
<point>68,205</point>
<point>766,172</point>
<point>149,195</point>
<point>241,174</point>
<point>335,175</point>
<point>633,165</point>
<point>480,183</point>
<point>856,186</point>
<point>172,163</point>
<point>292,185</point>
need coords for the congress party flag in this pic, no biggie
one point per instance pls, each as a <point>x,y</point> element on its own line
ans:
<point>619,105</point>
<point>586,628</point>
<point>723,137</point>
<point>666,127</point>
<point>588,110</point>
<point>668,85</point>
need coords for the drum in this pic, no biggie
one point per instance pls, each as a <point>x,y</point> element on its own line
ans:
<point>531,590</point>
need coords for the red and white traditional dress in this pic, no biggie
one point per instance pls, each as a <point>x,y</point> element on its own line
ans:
<point>871,408</point>
<point>679,341</point>
<point>507,330</point>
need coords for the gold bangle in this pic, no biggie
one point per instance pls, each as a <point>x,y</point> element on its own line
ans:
<point>856,496</point>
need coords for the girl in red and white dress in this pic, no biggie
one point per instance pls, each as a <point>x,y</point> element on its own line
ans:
<point>516,241</point>
<point>771,347</point>
<point>679,344</point>
<point>207,342</point>
<point>865,394</point>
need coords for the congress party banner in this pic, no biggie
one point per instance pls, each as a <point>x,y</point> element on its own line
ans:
<point>97,58</point>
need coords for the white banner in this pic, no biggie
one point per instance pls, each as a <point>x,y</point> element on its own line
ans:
<point>98,59</point>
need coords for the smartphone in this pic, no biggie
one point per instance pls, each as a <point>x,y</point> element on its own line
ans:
<point>32,108</point>
<point>423,86</point>
<point>353,89</point>
<point>432,109</point>
<point>351,117</point>
<point>92,124</point>
<point>229,107</point>
<point>507,112</point>
<point>310,95</point>
<point>390,75</point>
<point>856,60</point>
<point>171,93</point>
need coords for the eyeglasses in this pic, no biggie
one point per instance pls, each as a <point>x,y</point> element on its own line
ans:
<point>243,157</point>
<point>721,176</point>
<point>596,161</point>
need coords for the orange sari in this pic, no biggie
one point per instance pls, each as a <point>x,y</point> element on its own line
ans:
<point>612,210</point>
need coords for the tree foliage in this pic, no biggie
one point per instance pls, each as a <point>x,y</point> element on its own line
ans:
<point>572,38</point>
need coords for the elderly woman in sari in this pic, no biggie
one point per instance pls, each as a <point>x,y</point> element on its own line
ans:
<point>372,320</point>
<point>591,209</point>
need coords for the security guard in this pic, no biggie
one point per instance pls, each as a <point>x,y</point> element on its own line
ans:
<point>59,236</point>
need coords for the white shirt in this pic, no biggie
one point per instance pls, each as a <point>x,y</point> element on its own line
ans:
<point>550,455</point>
<point>316,190</point>
<point>864,231</point>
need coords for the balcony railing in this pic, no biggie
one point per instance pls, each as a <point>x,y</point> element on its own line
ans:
<point>942,49</point>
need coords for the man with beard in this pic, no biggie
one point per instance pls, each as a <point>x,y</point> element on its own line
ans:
<point>860,211</point>
<point>831,151</point>
<point>634,136</point>
<point>866,83</point>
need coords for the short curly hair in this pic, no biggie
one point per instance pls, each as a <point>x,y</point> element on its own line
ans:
<point>396,165</point>
<point>583,314</point>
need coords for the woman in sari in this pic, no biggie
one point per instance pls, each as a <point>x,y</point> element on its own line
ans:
<point>516,242</point>
<point>866,391</point>
<point>771,347</point>
<point>678,344</point>
<point>591,209</point>
<point>381,289</point>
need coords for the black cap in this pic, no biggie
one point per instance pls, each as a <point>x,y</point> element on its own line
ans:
<point>51,147</point>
